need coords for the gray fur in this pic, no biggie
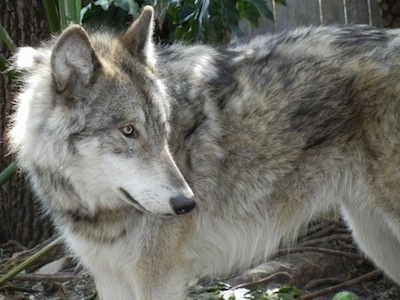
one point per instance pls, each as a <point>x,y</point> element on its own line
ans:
<point>268,135</point>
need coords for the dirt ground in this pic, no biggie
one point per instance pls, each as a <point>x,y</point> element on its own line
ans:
<point>322,263</point>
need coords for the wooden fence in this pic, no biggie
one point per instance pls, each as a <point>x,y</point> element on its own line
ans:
<point>318,12</point>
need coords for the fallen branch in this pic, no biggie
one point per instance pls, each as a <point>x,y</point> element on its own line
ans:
<point>25,264</point>
<point>320,250</point>
<point>263,281</point>
<point>44,277</point>
<point>341,286</point>
<point>325,239</point>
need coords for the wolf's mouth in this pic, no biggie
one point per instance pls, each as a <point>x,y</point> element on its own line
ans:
<point>133,202</point>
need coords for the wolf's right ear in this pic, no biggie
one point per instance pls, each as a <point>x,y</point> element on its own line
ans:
<point>138,39</point>
<point>73,59</point>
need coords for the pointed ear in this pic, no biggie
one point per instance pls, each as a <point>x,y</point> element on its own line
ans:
<point>138,39</point>
<point>73,59</point>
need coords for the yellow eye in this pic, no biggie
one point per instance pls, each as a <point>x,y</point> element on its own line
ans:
<point>130,132</point>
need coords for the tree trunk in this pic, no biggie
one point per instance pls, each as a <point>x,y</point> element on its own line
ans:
<point>390,13</point>
<point>20,219</point>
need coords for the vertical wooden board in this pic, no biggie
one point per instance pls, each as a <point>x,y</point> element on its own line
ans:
<point>376,14</point>
<point>285,15</point>
<point>333,12</point>
<point>265,25</point>
<point>357,11</point>
<point>307,12</point>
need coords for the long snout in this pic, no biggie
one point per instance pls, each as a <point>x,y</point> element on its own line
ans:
<point>157,188</point>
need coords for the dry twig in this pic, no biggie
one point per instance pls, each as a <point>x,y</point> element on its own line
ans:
<point>341,286</point>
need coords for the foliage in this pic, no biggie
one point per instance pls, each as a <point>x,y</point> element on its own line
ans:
<point>25,264</point>
<point>208,21</point>
<point>211,21</point>
<point>10,45</point>
<point>62,12</point>
<point>7,173</point>
<point>114,13</point>
<point>223,291</point>
<point>345,295</point>
<point>283,293</point>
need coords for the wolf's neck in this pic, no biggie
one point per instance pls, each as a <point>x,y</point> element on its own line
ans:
<point>74,213</point>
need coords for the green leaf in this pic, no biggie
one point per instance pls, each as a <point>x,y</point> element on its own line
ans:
<point>52,15</point>
<point>7,40</point>
<point>129,5</point>
<point>204,9</point>
<point>12,74</point>
<point>85,10</point>
<point>105,12</point>
<point>63,13</point>
<point>248,12</point>
<point>104,4</point>
<point>206,20</point>
<point>8,173</point>
<point>77,12</point>
<point>345,295</point>
<point>161,7</point>
<point>69,12</point>
<point>289,293</point>
<point>283,2</point>
<point>3,63</point>
<point>262,8</point>
<point>25,264</point>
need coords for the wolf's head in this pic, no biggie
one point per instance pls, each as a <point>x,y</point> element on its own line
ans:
<point>95,114</point>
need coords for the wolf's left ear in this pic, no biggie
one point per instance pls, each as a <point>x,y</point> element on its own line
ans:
<point>138,39</point>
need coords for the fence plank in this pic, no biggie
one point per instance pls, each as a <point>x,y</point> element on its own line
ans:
<point>332,12</point>
<point>264,23</point>
<point>307,12</point>
<point>297,13</point>
<point>376,14</point>
<point>357,12</point>
<point>285,16</point>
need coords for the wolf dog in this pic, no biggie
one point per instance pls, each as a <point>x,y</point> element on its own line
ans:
<point>160,165</point>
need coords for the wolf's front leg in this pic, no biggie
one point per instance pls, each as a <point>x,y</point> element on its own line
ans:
<point>152,261</point>
<point>143,285</point>
<point>109,288</point>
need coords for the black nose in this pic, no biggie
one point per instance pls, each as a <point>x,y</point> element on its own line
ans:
<point>182,204</point>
